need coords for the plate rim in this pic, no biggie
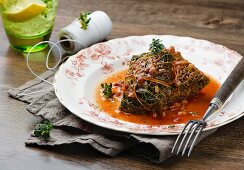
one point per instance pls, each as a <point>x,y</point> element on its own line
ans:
<point>119,129</point>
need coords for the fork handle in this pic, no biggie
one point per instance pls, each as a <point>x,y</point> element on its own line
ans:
<point>229,85</point>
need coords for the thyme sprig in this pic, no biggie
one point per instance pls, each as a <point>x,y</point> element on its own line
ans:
<point>84,20</point>
<point>43,129</point>
<point>107,90</point>
<point>156,46</point>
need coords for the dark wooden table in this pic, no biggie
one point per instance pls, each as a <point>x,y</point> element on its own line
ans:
<point>220,21</point>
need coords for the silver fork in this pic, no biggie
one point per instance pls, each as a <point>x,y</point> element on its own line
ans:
<point>195,127</point>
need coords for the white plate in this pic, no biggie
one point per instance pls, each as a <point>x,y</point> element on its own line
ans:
<point>77,78</point>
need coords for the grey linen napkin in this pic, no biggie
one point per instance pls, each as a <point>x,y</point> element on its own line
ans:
<point>69,129</point>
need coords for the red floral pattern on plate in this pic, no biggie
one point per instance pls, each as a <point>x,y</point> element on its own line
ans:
<point>107,68</point>
<point>103,55</point>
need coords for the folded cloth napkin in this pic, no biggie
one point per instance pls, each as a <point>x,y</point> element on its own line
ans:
<point>69,129</point>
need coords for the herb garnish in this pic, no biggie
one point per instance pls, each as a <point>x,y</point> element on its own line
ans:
<point>156,46</point>
<point>42,130</point>
<point>107,90</point>
<point>84,19</point>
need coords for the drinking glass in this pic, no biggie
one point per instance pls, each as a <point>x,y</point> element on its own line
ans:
<point>28,22</point>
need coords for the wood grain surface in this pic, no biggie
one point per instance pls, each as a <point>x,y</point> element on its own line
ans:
<point>219,21</point>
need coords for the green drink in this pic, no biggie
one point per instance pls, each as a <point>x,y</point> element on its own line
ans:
<point>28,22</point>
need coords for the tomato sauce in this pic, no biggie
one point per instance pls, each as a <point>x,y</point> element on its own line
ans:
<point>198,104</point>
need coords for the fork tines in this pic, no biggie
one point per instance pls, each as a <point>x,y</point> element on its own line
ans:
<point>192,127</point>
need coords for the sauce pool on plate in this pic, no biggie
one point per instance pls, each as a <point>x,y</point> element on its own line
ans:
<point>194,109</point>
